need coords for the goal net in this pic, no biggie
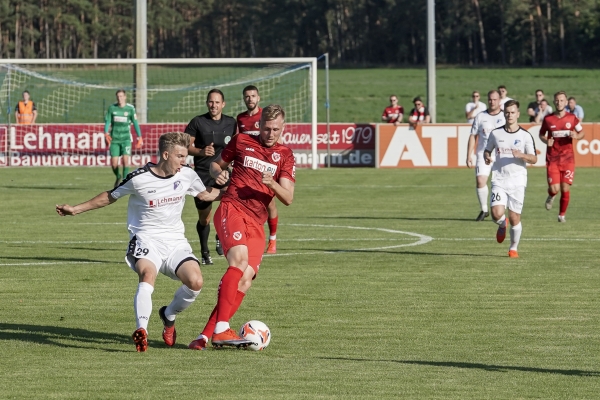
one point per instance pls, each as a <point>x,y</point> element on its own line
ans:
<point>71,98</point>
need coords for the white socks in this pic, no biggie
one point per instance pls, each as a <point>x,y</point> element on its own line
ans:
<point>142,305</point>
<point>221,326</point>
<point>482,195</point>
<point>515,236</point>
<point>501,221</point>
<point>183,298</point>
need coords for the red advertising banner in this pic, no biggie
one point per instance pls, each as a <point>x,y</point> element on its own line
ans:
<point>351,145</point>
<point>445,146</point>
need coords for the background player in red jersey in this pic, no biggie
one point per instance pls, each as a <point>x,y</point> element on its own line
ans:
<point>394,113</point>
<point>263,169</point>
<point>558,131</point>
<point>248,123</point>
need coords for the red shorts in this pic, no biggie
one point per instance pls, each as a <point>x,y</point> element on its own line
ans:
<point>236,228</point>
<point>560,172</point>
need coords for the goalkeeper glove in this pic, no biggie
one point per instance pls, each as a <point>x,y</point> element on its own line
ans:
<point>139,143</point>
<point>108,138</point>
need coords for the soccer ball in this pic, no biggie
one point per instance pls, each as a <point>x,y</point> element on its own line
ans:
<point>257,332</point>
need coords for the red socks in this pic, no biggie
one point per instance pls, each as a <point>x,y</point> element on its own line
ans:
<point>227,293</point>
<point>273,225</point>
<point>209,329</point>
<point>564,202</point>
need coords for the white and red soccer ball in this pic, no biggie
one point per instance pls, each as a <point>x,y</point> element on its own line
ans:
<point>258,333</point>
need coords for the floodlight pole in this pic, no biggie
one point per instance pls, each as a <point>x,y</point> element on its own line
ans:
<point>141,70</point>
<point>431,93</point>
<point>327,109</point>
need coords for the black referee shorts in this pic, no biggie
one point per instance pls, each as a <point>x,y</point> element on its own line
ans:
<point>208,182</point>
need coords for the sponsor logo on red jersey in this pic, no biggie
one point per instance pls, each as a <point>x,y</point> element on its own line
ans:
<point>259,165</point>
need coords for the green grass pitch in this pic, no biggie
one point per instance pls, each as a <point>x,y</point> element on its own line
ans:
<point>383,287</point>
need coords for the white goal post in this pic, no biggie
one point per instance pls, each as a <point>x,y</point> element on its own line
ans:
<point>166,91</point>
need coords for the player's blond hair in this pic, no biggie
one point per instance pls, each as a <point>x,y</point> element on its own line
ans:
<point>271,112</point>
<point>168,141</point>
<point>559,93</point>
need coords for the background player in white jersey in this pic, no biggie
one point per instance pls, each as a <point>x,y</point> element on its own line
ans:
<point>484,123</point>
<point>514,149</point>
<point>157,195</point>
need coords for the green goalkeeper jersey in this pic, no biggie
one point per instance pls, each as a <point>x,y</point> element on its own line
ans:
<point>120,118</point>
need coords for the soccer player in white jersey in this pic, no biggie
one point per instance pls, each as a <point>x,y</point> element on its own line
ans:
<point>514,148</point>
<point>484,123</point>
<point>156,199</point>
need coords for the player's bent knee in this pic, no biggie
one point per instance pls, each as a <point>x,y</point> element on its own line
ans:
<point>194,291</point>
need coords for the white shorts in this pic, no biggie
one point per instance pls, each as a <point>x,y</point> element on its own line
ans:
<point>167,256</point>
<point>480,166</point>
<point>512,197</point>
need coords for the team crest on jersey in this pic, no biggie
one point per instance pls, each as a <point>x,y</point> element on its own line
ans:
<point>517,142</point>
<point>499,121</point>
<point>237,235</point>
<point>176,185</point>
<point>256,125</point>
<point>276,157</point>
<point>227,139</point>
<point>568,125</point>
<point>125,113</point>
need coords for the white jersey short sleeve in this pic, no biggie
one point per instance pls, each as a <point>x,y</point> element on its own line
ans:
<point>509,171</point>
<point>156,203</point>
<point>483,125</point>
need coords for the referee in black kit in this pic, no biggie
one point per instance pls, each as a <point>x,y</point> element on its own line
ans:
<point>210,134</point>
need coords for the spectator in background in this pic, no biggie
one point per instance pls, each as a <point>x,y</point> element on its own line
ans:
<point>503,96</point>
<point>419,114</point>
<point>543,110</point>
<point>575,109</point>
<point>474,107</point>
<point>25,111</point>
<point>534,107</point>
<point>394,113</point>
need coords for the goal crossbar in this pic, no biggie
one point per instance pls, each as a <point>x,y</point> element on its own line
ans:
<point>141,84</point>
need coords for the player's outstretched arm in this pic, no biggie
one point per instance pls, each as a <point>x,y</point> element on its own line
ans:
<point>284,189</point>
<point>102,200</point>
<point>211,194</point>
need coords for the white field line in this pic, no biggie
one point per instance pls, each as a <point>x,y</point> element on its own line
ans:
<point>53,263</point>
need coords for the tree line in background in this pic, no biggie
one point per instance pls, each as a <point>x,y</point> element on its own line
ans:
<point>354,32</point>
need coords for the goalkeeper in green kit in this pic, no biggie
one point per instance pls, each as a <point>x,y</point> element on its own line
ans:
<point>120,116</point>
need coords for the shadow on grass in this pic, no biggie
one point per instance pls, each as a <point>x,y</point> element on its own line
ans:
<point>59,188</point>
<point>485,367</point>
<point>87,260</point>
<point>71,337</point>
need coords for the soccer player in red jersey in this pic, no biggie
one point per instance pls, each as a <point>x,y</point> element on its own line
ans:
<point>263,169</point>
<point>558,131</point>
<point>394,113</point>
<point>248,123</point>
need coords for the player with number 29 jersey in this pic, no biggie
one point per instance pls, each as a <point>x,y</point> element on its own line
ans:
<point>156,203</point>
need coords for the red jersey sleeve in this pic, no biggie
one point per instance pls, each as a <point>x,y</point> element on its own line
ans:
<point>288,169</point>
<point>544,131</point>
<point>228,153</point>
<point>401,110</point>
<point>384,114</point>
